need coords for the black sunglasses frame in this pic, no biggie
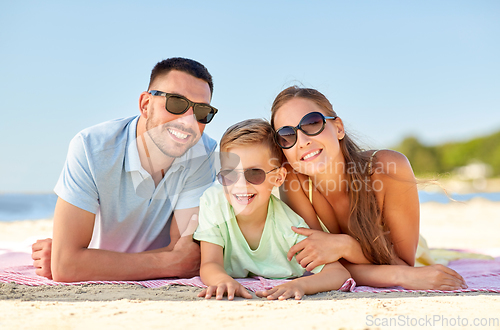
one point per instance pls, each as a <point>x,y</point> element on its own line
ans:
<point>190,104</point>
<point>220,176</point>
<point>299,127</point>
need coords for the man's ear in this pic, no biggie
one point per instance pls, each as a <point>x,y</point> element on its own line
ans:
<point>280,176</point>
<point>144,101</point>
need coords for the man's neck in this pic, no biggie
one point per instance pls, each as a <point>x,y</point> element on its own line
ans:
<point>155,162</point>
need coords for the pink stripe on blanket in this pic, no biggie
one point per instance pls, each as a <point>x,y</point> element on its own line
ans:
<point>26,275</point>
<point>480,275</point>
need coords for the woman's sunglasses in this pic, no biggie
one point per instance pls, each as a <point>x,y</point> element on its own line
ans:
<point>311,124</point>
<point>254,176</point>
<point>178,104</point>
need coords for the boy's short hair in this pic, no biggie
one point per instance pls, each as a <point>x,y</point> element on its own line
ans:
<point>251,132</point>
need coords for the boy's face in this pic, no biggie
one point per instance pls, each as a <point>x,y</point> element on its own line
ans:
<point>245,197</point>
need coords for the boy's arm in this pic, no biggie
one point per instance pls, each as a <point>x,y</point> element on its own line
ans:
<point>73,261</point>
<point>330,278</point>
<point>213,274</point>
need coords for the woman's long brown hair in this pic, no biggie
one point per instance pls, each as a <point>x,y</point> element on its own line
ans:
<point>365,220</point>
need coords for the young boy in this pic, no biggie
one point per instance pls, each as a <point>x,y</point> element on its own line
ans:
<point>245,230</point>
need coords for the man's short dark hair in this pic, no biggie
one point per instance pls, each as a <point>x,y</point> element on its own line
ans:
<point>186,65</point>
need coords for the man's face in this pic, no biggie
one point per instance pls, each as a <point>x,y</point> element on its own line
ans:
<point>175,134</point>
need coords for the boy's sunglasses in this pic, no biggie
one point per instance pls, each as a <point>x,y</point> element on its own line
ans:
<point>178,104</point>
<point>311,124</point>
<point>253,175</point>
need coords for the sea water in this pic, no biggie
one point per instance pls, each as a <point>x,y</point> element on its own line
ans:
<point>14,207</point>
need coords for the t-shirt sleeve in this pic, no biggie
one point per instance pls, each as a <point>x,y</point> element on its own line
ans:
<point>211,220</point>
<point>76,184</point>
<point>198,182</point>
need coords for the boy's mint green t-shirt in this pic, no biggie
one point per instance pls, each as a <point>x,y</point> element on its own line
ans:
<point>218,225</point>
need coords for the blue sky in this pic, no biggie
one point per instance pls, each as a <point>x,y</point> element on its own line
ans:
<point>391,68</point>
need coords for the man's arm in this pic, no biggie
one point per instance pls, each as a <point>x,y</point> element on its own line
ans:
<point>73,261</point>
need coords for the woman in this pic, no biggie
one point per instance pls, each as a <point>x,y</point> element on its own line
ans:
<point>362,206</point>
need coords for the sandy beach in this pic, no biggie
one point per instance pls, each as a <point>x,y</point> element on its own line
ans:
<point>471,225</point>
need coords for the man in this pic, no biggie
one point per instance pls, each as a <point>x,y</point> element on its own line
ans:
<point>129,191</point>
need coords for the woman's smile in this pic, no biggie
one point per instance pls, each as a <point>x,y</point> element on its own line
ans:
<point>311,155</point>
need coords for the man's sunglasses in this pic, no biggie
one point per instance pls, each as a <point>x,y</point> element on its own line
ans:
<point>254,176</point>
<point>311,124</point>
<point>178,104</point>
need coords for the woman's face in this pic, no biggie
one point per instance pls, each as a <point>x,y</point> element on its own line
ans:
<point>311,155</point>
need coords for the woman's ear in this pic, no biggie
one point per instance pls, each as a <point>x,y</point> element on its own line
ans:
<point>280,176</point>
<point>339,125</point>
<point>144,103</point>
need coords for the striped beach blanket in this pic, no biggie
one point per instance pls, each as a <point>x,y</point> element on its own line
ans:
<point>480,275</point>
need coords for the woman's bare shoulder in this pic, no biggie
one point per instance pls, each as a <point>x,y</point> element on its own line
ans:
<point>391,162</point>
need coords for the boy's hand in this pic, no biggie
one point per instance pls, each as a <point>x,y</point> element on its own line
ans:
<point>283,291</point>
<point>231,287</point>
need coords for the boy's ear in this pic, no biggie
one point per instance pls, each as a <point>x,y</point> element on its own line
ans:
<point>280,176</point>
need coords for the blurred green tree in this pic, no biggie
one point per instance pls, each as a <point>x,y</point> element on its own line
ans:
<point>429,160</point>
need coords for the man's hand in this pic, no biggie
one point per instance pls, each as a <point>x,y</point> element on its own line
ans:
<point>188,253</point>
<point>41,251</point>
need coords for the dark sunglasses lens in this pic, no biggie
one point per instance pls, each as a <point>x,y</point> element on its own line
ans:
<point>227,177</point>
<point>255,175</point>
<point>176,105</point>
<point>203,113</point>
<point>312,123</point>
<point>286,137</point>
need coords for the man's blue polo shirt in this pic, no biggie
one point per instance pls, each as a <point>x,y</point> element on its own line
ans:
<point>103,175</point>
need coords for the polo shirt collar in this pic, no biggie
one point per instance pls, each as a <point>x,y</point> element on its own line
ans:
<point>132,160</point>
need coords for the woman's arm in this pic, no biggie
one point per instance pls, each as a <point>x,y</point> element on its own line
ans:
<point>435,277</point>
<point>396,191</point>
<point>320,247</point>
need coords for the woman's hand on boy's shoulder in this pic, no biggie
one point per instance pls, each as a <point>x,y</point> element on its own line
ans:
<point>320,248</point>
<point>231,287</point>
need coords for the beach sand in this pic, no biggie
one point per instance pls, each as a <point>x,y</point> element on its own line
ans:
<point>470,225</point>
